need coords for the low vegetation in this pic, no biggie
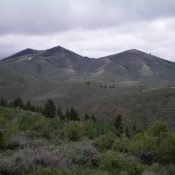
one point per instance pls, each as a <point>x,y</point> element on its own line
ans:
<point>47,141</point>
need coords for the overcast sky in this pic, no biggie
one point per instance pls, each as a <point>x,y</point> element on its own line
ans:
<point>91,28</point>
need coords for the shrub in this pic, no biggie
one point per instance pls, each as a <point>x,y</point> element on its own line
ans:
<point>170,169</point>
<point>148,173</point>
<point>16,141</point>
<point>74,130</point>
<point>111,161</point>
<point>82,154</point>
<point>133,167</point>
<point>142,143</point>
<point>26,161</point>
<point>95,129</point>
<point>159,129</point>
<point>123,173</point>
<point>121,144</point>
<point>49,171</point>
<point>11,129</point>
<point>105,141</point>
<point>88,171</point>
<point>85,154</point>
<point>165,150</point>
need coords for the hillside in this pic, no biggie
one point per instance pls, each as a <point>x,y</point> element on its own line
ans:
<point>134,83</point>
<point>131,67</point>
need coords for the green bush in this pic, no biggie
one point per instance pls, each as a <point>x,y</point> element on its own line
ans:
<point>159,129</point>
<point>88,171</point>
<point>165,150</point>
<point>123,173</point>
<point>96,128</point>
<point>121,144</point>
<point>111,161</point>
<point>142,143</point>
<point>158,142</point>
<point>28,122</point>
<point>49,171</point>
<point>74,130</point>
<point>148,173</point>
<point>105,141</point>
<point>133,167</point>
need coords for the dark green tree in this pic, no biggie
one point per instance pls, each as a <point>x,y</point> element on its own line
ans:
<point>28,106</point>
<point>93,118</point>
<point>11,104</point>
<point>127,132</point>
<point>86,116</point>
<point>60,114</point>
<point>67,113</point>
<point>118,125</point>
<point>49,108</point>
<point>18,102</point>
<point>1,139</point>
<point>3,102</point>
<point>73,115</point>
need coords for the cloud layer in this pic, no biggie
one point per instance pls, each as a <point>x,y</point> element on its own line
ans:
<point>89,27</point>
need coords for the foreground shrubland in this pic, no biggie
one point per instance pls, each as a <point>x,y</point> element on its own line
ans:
<point>33,144</point>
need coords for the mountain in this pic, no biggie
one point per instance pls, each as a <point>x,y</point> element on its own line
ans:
<point>105,86</point>
<point>140,68</point>
<point>131,67</point>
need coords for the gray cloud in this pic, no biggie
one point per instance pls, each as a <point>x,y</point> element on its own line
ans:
<point>89,27</point>
<point>47,16</point>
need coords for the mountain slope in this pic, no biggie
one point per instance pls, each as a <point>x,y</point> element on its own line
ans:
<point>106,86</point>
<point>132,67</point>
<point>140,67</point>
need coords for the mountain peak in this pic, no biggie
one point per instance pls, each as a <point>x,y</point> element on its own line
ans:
<point>27,51</point>
<point>134,51</point>
<point>55,50</point>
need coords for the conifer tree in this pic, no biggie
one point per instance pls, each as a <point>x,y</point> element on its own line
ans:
<point>86,116</point>
<point>1,139</point>
<point>18,102</point>
<point>3,102</point>
<point>127,132</point>
<point>28,106</point>
<point>60,114</point>
<point>118,125</point>
<point>73,115</point>
<point>93,118</point>
<point>49,108</point>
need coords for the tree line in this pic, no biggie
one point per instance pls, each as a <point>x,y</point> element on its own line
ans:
<point>49,109</point>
